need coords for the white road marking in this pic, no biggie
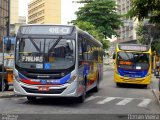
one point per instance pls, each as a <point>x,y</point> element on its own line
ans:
<point>91,98</point>
<point>106,100</point>
<point>144,103</point>
<point>125,101</point>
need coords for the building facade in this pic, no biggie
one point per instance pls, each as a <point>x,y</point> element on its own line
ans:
<point>44,12</point>
<point>3,20</point>
<point>14,15</point>
<point>128,31</point>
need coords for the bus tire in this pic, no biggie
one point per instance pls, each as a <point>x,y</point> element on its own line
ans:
<point>144,86</point>
<point>96,89</point>
<point>31,98</point>
<point>118,84</point>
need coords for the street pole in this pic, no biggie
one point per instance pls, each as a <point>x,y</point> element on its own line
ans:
<point>8,34</point>
<point>3,68</point>
<point>8,26</point>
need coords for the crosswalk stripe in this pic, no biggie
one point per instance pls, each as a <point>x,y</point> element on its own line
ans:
<point>106,100</point>
<point>91,98</point>
<point>125,101</point>
<point>144,103</point>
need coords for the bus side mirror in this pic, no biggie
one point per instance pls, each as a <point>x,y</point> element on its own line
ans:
<point>114,56</point>
<point>8,45</point>
<point>156,73</point>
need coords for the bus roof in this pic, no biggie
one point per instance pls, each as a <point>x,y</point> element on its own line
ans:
<point>133,47</point>
<point>31,29</point>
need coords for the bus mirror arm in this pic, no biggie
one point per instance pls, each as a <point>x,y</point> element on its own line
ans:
<point>114,56</point>
<point>157,73</point>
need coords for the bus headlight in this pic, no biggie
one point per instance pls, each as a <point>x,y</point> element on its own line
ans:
<point>72,78</point>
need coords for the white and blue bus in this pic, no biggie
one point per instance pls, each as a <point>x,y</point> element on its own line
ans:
<point>56,61</point>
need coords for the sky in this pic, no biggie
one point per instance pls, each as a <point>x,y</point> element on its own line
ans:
<point>67,9</point>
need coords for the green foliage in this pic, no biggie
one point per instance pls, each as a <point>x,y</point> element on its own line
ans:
<point>91,29</point>
<point>156,46</point>
<point>140,33</point>
<point>145,33</point>
<point>100,13</point>
<point>106,44</point>
<point>143,9</point>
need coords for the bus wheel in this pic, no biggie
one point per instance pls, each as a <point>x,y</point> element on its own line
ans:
<point>31,98</point>
<point>144,86</point>
<point>118,84</point>
<point>96,89</point>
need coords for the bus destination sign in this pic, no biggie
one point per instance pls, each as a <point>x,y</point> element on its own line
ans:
<point>46,30</point>
<point>133,47</point>
<point>60,30</point>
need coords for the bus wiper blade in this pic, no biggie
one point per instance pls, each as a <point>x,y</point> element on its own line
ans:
<point>37,48</point>
<point>54,45</point>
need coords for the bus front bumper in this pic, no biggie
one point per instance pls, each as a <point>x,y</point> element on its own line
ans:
<point>67,90</point>
<point>143,81</point>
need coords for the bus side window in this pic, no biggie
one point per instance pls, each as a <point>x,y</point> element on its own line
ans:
<point>80,51</point>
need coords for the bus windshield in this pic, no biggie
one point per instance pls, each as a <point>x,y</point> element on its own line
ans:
<point>133,60</point>
<point>49,54</point>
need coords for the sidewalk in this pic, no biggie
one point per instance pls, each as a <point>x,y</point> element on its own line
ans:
<point>6,94</point>
<point>155,87</point>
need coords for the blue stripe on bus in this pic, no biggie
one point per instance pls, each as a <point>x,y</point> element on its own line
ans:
<point>63,80</point>
<point>132,73</point>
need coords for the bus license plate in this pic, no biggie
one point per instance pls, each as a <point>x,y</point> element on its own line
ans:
<point>43,88</point>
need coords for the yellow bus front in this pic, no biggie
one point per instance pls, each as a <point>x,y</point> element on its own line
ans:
<point>133,67</point>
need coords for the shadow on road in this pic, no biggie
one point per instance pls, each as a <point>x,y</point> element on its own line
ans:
<point>58,101</point>
<point>131,86</point>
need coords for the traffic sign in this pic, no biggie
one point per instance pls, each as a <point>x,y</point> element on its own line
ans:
<point>13,39</point>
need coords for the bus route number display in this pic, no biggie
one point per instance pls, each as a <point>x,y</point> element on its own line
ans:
<point>32,59</point>
<point>133,48</point>
<point>60,30</point>
<point>47,30</point>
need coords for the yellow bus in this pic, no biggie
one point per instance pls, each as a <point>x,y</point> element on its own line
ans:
<point>133,64</point>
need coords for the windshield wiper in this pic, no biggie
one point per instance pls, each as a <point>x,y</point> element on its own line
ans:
<point>54,45</point>
<point>33,42</point>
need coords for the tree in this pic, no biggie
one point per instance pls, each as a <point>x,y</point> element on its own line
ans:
<point>140,32</point>
<point>91,29</point>
<point>145,9</point>
<point>146,32</point>
<point>101,14</point>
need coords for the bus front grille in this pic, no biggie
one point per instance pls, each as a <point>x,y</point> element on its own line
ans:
<point>51,91</point>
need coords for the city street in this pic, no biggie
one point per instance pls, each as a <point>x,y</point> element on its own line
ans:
<point>109,100</point>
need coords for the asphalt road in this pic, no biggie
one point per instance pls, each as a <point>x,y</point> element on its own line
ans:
<point>111,101</point>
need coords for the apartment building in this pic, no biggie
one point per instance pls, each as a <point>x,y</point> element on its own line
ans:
<point>44,12</point>
<point>128,31</point>
<point>14,16</point>
<point>3,20</point>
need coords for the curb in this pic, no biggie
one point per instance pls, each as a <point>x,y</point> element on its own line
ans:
<point>6,95</point>
<point>154,92</point>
